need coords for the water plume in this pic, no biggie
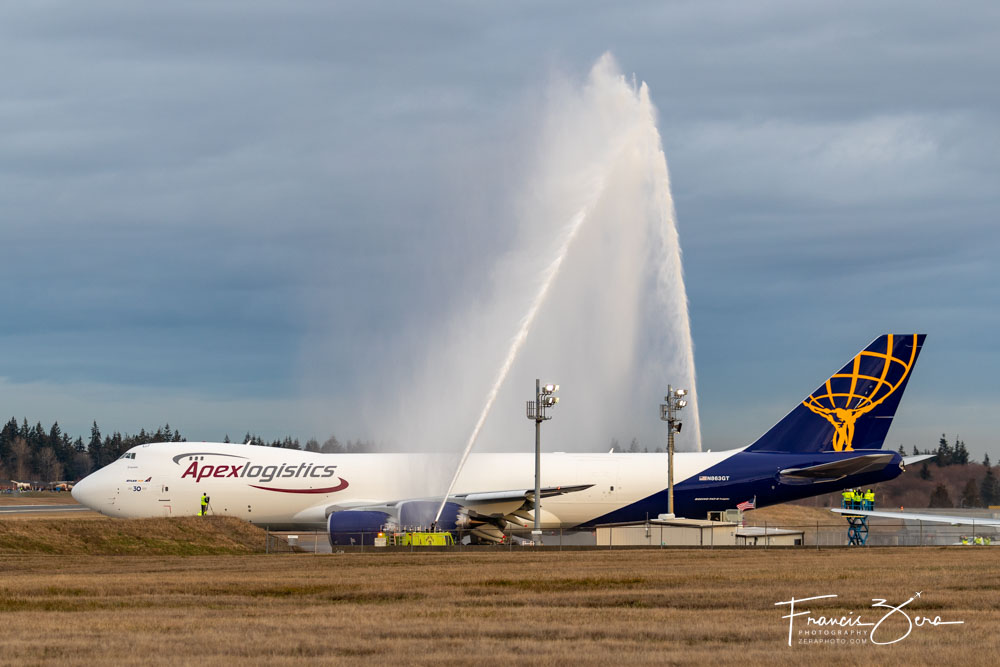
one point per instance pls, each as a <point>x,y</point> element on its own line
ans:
<point>589,293</point>
<point>646,341</point>
<point>522,335</point>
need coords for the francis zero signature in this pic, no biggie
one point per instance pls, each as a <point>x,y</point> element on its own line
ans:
<point>877,634</point>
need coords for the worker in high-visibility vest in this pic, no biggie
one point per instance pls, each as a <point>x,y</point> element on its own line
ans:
<point>857,499</point>
<point>869,499</point>
<point>204,505</point>
<point>845,498</point>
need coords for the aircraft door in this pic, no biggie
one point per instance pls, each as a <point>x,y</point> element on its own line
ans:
<point>164,501</point>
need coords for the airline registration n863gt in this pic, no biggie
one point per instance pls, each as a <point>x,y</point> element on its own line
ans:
<point>831,440</point>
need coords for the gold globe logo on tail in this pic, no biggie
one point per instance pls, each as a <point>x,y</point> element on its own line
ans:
<point>857,393</point>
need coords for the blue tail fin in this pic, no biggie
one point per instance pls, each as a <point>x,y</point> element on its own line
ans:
<point>854,408</point>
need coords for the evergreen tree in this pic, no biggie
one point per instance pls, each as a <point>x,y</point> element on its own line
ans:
<point>916,452</point>
<point>312,445</point>
<point>989,491</point>
<point>925,472</point>
<point>902,451</point>
<point>959,455</point>
<point>226,439</point>
<point>332,446</point>
<point>970,494</point>
<point>944,453</point>
<point>96,447</point>
<point>55,434</point>
<point>633,447</point>
<point>940,497</point>
<point>986,459</point>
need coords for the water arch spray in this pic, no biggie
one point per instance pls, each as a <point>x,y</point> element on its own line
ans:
<point>608,317</point>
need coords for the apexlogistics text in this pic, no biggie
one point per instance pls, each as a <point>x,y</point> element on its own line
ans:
<point>258,472</point>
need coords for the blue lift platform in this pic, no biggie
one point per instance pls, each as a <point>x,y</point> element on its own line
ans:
<point>857,524</point>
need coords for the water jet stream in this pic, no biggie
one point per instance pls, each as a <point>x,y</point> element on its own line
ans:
<point>549,276</point>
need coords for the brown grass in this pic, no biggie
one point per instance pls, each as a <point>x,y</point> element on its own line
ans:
<point>37,498</point>
<point>595,607</point>
<point>46,534</point>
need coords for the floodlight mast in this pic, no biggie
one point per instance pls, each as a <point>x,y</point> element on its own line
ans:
<point>536,411</point>
<point>668,413</point>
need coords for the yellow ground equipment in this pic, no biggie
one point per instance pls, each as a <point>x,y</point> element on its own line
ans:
<point>414,540</point>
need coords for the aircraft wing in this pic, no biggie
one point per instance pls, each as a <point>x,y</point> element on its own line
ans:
<point>478,500</point>
<point>828,472</point>
<point>914,516</point>
<point>514,495</point>
<point>486,514</point>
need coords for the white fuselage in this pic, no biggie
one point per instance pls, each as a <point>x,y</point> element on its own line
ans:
<point>292,488</point>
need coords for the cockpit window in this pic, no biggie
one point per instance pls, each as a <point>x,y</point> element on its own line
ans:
<point>127,455</point>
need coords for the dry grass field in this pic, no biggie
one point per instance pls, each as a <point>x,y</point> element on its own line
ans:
<point>72,535</point>
<point>37,498</point>
<point>592,607</point>
<point>85,590</point>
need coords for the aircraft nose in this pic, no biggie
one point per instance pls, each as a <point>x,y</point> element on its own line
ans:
<point>85,492</point>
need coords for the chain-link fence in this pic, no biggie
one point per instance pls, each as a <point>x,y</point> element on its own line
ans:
<point>711,535</point>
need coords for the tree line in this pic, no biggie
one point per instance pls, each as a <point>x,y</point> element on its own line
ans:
<point>977,492</point>
<point>945,454</point>
<point>33,453</point>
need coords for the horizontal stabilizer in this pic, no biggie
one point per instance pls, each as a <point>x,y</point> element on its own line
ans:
<point>914,516</point>
<point>827,472</point>
<point>910,460</point>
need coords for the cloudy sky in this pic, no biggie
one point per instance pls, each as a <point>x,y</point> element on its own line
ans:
<point>219,214</point>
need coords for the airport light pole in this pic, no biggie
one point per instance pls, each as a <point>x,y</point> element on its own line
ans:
<point>536,411</point>
<point>668,412</point>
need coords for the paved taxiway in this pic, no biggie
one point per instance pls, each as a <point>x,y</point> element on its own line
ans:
<point>28,509</point>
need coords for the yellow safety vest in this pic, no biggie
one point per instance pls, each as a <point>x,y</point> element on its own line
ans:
<point>870,496</point>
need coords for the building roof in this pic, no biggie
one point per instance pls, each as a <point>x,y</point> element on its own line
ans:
<point>687,523</point>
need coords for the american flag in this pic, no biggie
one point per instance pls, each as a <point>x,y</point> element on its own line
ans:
<point>747,505</point>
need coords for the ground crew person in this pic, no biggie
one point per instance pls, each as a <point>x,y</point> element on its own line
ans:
<point>204,505</point>
<point>857,499</point>
<point>979,541</point>
<point>846,496</point>
<point>869,499</point>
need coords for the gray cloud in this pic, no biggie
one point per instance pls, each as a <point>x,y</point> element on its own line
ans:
<point>213,200</point>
